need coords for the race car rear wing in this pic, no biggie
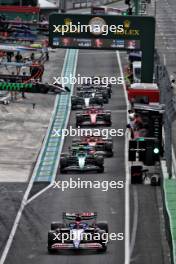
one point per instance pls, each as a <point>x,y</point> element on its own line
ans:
<point>84,216</point>
<point>93,107</point>
<point>81,147</point>
<point>92,86</point>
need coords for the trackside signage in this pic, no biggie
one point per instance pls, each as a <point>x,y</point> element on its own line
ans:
<point>106,32</point>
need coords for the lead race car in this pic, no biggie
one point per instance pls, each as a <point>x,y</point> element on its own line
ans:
<point>98,90</point>
<point>85,99</point>
<point>99,145</point>
<point>99,82</point>
<point>78,231</point>
<point>104,89</point>
<point>81,159</point>
<point>93,116</point>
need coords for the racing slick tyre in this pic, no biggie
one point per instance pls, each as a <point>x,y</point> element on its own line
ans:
<point>102,241</point>
<point>108,148</point>
<point>100,101</point>
<point>74,103</point>
<point>51,250</point>
<point>99,160</point>
<point>76,142</point>
<point>78,120</point>
<point>100,169</point>
<point>63,162</point>
<point>109,124</point>
<point>109,93</point>
<point>108,120</point>
<point>110,154</point>
<point>73,107</point>
<point>56,225</point>
<point>63,171</point>
<point>103,249</point>
<point>106,100</point>
<point>51,238</point>
<point>103,226</point>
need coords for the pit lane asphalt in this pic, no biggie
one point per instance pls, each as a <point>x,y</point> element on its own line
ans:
<point>29,245</point>
<point>30,241</point>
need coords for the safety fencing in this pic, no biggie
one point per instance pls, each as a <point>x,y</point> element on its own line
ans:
<point>169,170</point>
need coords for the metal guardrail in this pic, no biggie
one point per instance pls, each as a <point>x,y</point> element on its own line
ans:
<point>169,170</point>
<point>48,160</point>
<point>163,80</point>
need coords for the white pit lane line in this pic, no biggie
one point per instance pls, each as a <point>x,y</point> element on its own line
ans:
<point>127,185</point>
<point>129,245</point>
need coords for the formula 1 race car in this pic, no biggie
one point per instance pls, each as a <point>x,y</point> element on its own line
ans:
<point>92,92</point>
<point>78,231</point>
<point>85,99</point>
<point>97,80</point>
<point>93,117</point>
<point>104,89</point>
<point>80,159</point>
<point>91,89</point>
<point>99,145</point>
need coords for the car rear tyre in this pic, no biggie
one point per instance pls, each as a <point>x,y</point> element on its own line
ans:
<point>101,169</point>
<point>110,154</point>
<point>103,249</point>
<point>63,171</point>
<point>103,226</point>
<point>51,250</point>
